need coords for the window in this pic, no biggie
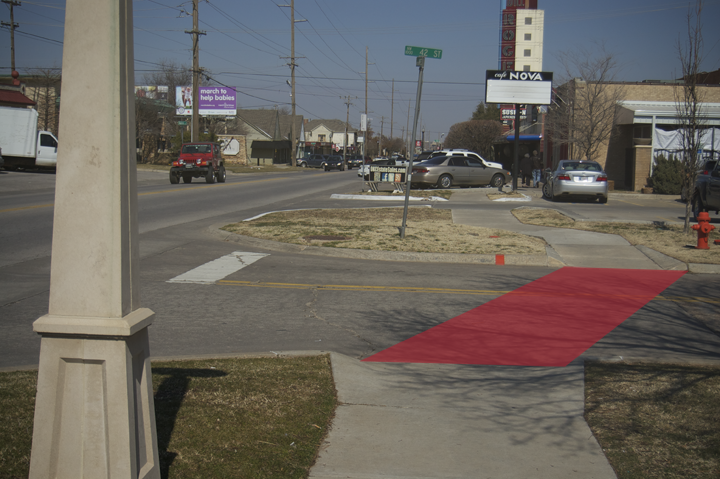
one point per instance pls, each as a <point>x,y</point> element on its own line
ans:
<point>526,52</point>
<point>526,68</point>
<point>47,140</point>
<point>528,20</point>
<point>321,137</point>
<point>528,37</point>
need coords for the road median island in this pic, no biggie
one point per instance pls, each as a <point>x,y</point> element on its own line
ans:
<point>667,239</point>
<point>428,231</point>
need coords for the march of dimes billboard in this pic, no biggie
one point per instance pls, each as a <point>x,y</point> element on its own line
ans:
<point>214,100</point>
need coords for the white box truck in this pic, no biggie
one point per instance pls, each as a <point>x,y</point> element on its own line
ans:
<point>22,145</point>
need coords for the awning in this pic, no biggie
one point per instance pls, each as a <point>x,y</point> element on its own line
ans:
<point>271,145</point>
<point>664,112</point>
<point>525,137</point>
<point>12,96</point>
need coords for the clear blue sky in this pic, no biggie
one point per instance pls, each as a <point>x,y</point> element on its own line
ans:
<point>247,40</point>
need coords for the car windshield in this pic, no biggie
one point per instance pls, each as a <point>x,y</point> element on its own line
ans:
<point>580,166</point>
<point>196,149</point>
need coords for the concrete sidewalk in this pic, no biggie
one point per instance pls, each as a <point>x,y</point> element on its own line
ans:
<point>398,420</point>
<point>457,421</point>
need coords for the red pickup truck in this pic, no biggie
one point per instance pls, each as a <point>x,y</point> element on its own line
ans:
<point>198,160</point>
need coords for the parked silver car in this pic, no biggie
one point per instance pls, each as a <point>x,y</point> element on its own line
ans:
<point>446,171</point>
<point>576,178</point>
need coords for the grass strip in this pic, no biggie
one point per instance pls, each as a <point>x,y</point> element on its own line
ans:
<point>655,420</point>
<point>666,239</point>
<point>256,417</point>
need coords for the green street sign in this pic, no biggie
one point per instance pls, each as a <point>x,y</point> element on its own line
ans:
<point>423,52</point>
<point>182,123</point>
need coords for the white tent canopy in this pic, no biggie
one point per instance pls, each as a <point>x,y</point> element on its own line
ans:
<point>672,140</point>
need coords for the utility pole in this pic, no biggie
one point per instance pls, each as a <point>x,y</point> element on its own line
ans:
<point>411,148</point>
<point>365,138</point>
<point>196,74</point>
<point>12,26</point>
<point>382,120</point>
<point>392,105</point>
<point>347,123</point>
<point>292,64</point>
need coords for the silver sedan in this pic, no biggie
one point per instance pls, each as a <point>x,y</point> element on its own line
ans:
<point>446,171</point>
<point>576,178</point>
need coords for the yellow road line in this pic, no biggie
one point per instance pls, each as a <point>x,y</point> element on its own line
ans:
<point>186,188</point>
<point>349,287</point>
<point>26,208</point>
<point>410,289</point>
<point>175,190</point>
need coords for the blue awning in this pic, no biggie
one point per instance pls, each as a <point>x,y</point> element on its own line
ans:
<point>525,137</point>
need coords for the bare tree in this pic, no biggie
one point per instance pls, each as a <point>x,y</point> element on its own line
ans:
<point>476,135</point>
<point>586,107</point>
<point>47,90</point>
<point>169,74</point>
<point>688,102</point>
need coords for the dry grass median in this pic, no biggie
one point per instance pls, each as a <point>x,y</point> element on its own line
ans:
<point>428,231</point>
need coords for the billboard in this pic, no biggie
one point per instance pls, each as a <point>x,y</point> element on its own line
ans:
<point>516,87</point>
<point>214,100</point>
<point>152,92</point>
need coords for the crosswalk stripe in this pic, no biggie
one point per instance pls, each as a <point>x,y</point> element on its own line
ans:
<point>218,269</point>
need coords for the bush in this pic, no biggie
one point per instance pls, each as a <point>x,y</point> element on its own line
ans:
<point>667,175</point>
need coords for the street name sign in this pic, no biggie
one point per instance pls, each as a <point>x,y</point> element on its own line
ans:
<point>423,52</point>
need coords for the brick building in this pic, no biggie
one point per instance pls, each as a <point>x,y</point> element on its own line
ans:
<point>642,107</point>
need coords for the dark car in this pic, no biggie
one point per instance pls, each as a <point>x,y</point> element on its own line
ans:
<point>312,161</point>
<point>334,162</point>
<point>354,161</point>
<point>424,156</point>
<point>446,171</point>
<point>198,160</point>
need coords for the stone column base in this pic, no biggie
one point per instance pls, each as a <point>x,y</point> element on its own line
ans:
<point>94,409</point>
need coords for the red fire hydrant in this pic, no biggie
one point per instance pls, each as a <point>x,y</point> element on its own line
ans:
<point>703,228</point>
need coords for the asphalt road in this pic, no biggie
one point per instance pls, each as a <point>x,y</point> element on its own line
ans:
<point>293,301</point>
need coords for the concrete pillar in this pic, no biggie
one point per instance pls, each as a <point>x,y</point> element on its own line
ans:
<point>94,411</point>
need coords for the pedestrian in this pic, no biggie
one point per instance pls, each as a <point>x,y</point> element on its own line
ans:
<point>526,167</point>
<point>537,169</point>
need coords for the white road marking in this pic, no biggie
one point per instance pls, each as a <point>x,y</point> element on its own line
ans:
<point>218,269</point>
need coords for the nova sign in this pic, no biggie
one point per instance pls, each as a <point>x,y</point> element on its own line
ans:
<point>518,87</point>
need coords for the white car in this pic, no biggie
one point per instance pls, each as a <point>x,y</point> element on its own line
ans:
<point>467,154</point>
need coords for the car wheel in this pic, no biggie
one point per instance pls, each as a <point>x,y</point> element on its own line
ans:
<point>221,175</point>
<point>497,181</point>
<point>697,206</point>
<point>546,190</point>
<point>445,181</point>
<point>602,200</point>
<point>303,165</point>
<point>210,175</point>
<point>174,178</point>
<point>187,178</point>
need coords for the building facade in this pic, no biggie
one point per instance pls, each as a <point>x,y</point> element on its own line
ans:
<point>642,108</point>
